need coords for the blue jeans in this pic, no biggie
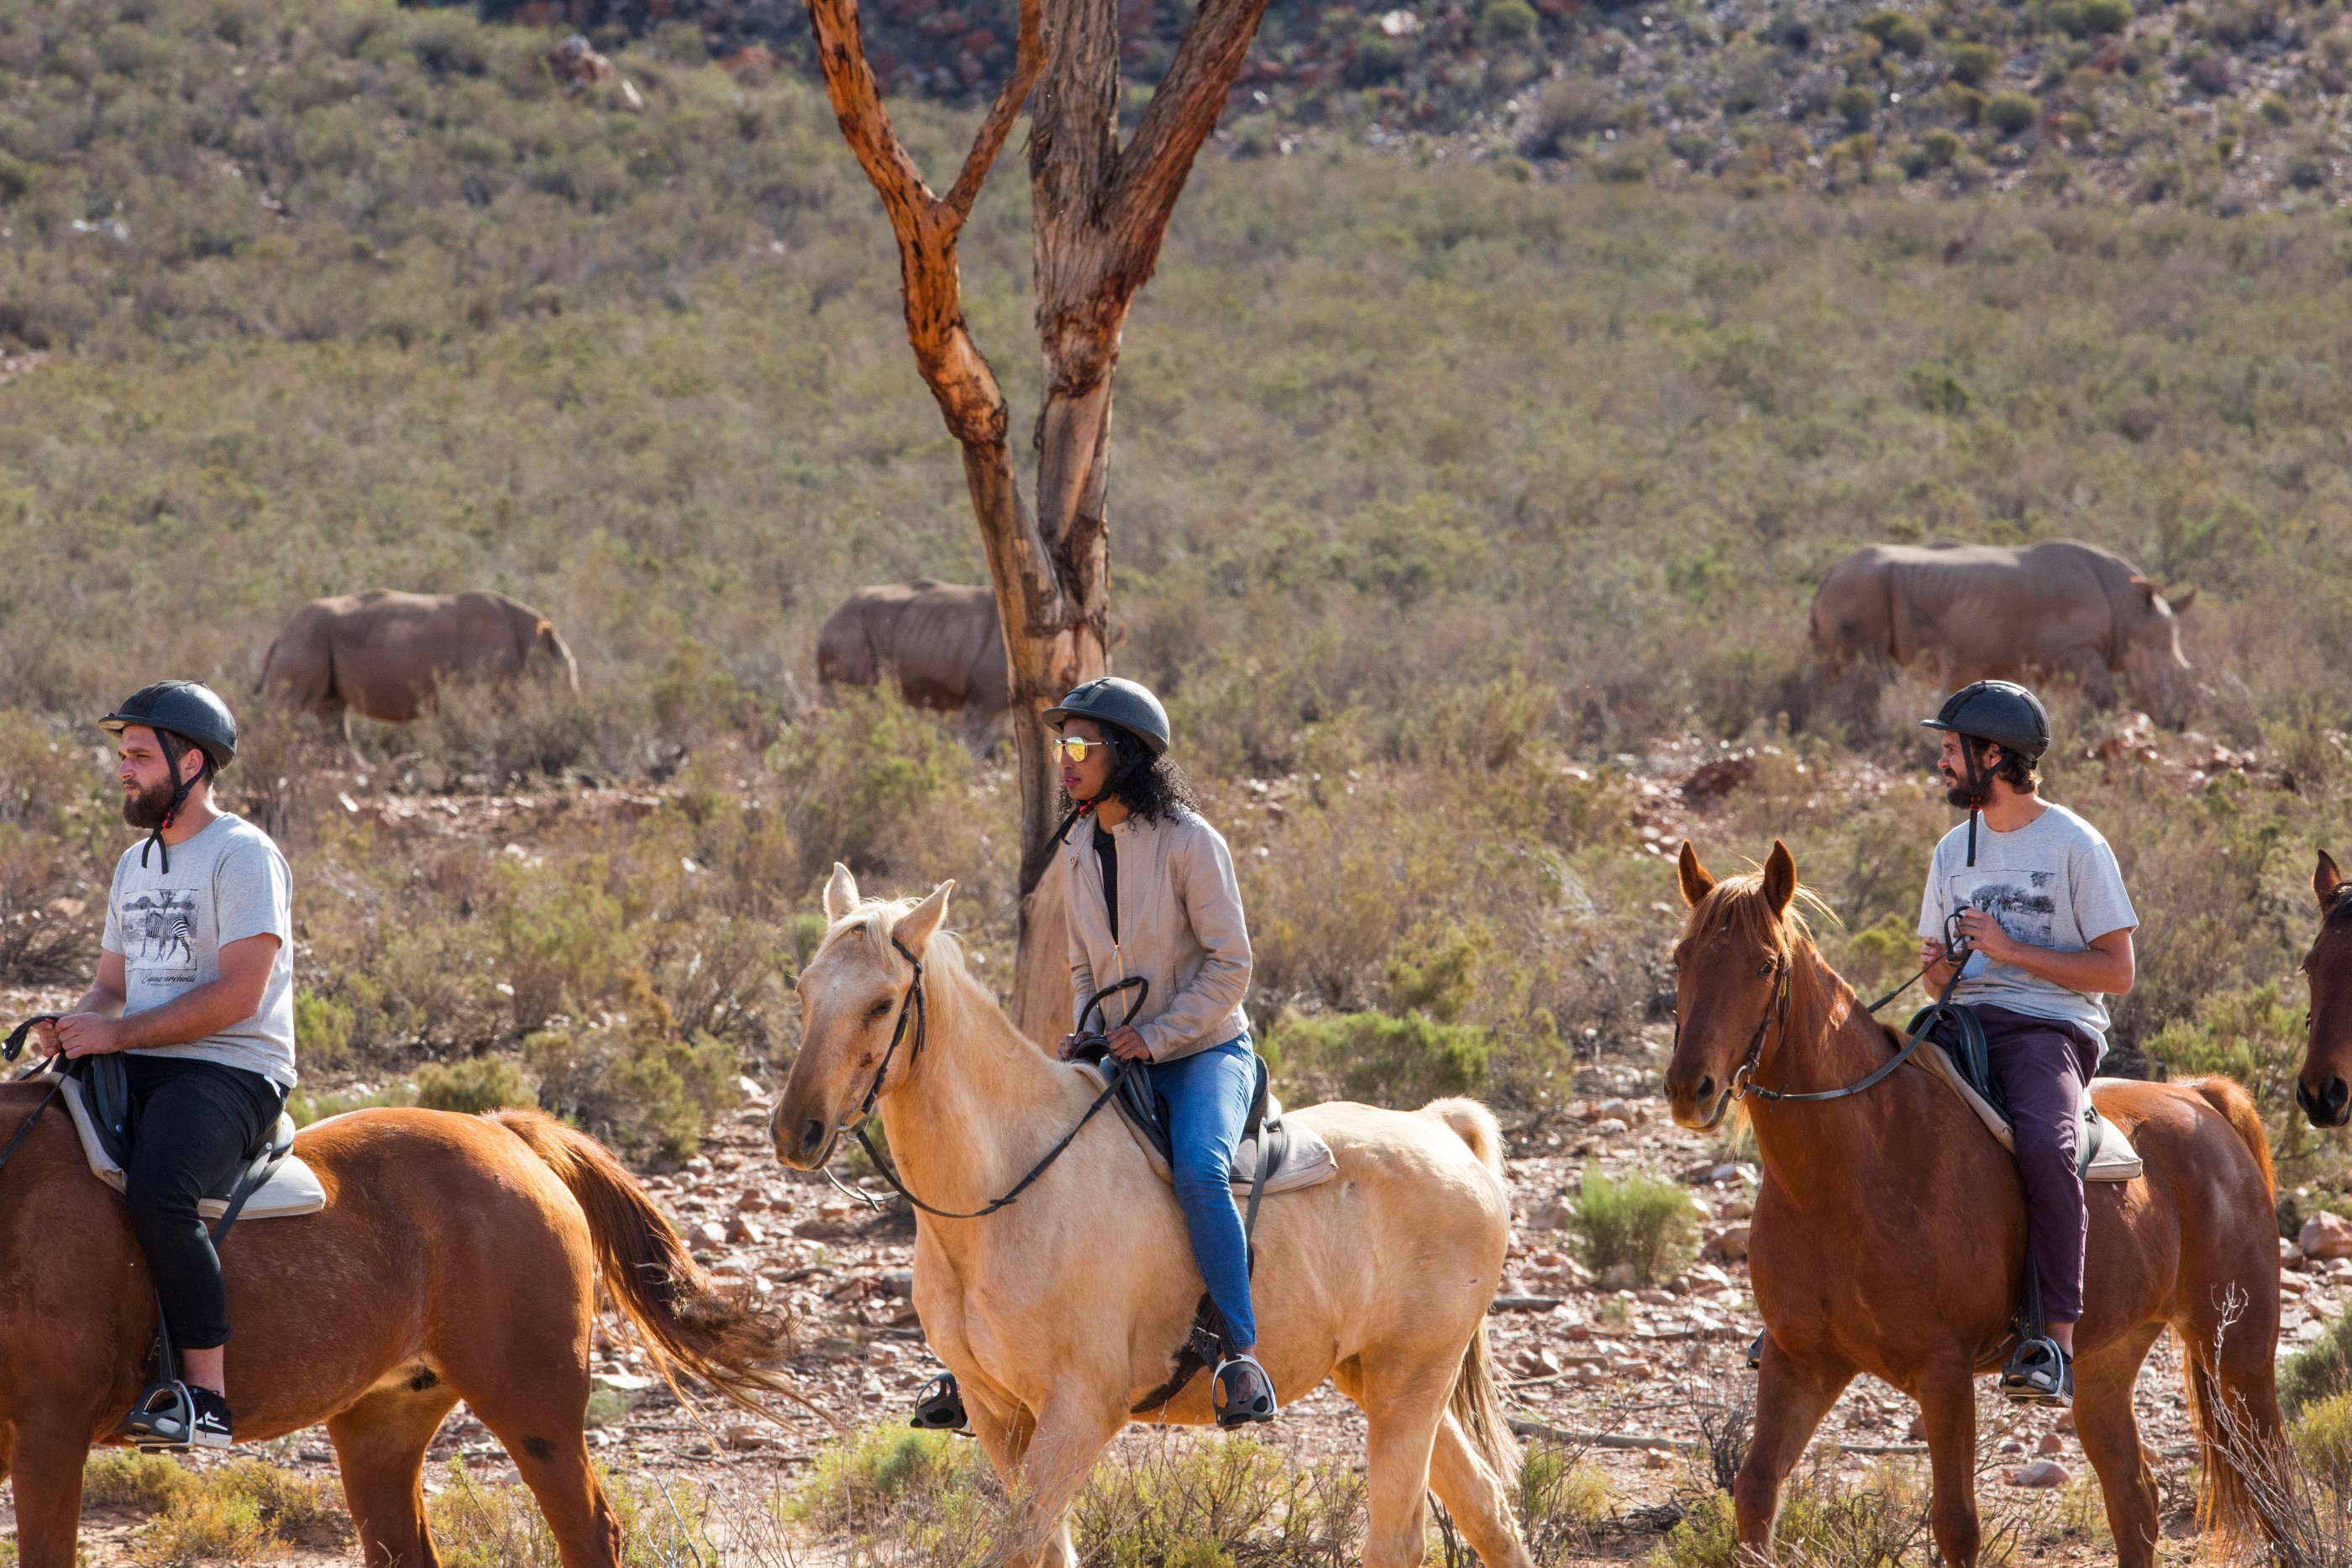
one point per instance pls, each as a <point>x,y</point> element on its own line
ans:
<point>1207,1101</point>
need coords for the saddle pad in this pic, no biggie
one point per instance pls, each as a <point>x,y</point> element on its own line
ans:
<point>1306,1159</point>
<point>293,1188</point>
<point>2116,1160</point>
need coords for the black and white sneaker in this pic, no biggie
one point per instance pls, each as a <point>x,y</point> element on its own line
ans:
<point>210,1429</point>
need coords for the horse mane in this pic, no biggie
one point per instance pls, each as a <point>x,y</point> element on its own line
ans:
<point>877,918</point>
<point>1738,901</point>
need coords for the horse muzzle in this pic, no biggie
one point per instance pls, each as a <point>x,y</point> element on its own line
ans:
<point>2331,1107</point>
<point>1701,1107</point>
<point>804,1142</point>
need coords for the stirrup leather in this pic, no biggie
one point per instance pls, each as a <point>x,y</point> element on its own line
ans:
<point>163,1420</point>
<point>2039,1372</point>
<point>1240,1392</point>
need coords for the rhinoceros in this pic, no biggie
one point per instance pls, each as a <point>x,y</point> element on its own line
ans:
<point>1955,614</point>
<point>381,654</point>
<point>939,642</point>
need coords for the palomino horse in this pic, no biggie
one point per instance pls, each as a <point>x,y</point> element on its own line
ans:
<point>457,1258</point>
<point>1061,1311</point>
<point>1889,1235</point>
<point>2320,1088</point>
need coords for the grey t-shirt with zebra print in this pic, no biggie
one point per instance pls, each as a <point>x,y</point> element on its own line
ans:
<point>227,883</point>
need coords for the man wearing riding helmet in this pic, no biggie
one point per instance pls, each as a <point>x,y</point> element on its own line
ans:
<point>195,988</point>
<point>2040,928</point>
<point>1150,891</point>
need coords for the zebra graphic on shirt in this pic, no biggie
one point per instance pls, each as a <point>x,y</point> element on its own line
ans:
<point>165,926</point>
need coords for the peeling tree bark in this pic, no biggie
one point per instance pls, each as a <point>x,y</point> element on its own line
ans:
<point>1100,212</point>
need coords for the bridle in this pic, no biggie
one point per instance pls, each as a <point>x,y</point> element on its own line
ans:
<point>912,1005</point>
<point>1776,1011</point>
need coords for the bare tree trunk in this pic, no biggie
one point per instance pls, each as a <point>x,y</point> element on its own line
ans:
<point>1100,212</point>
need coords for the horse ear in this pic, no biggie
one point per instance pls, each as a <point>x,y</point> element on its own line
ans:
<point>919,925</point>
<point>2326,882</point>
<point>840,893</point>
<point>1697,883</point>
<point>1779,878</point>
<point>2181,600</point>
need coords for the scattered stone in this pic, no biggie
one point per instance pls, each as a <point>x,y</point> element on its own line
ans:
<point>900,1283</point>
<point>1712,780</point>
<point>708,1233</point>
<point>1728,1245</point>
<point>1918,1431</point>
<point>1609,1127</point>
<point>2289,1254</point>
<point>575,61</point>
<point>2052,1443</point>
<point>1617,1277</point>
<point>1547,1216</point>
<point>2041,1475</point>
<point>1541,1360</point>
<point>2326,1236</point>
<point>1653,1297</point>
<point>2065,1423</point>
<point>742,1232</point>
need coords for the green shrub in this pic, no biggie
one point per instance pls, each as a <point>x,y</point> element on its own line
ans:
<point>241,1512</point>
<point>1904,35</point>
<point>1855,106</point>
<point>2011,112</point>
<point>1507,24</point>
<point>478,1525</point>
<point>1226,1500</point>
<point>857,1485</point>
<point>1974,63</point>
<point>1942,148</point>
<point>1824,1520</point>
<point>1379,1059</point>
<point>1636,1219</point>
<point>2256,1036</point>
<point>634,1087</point>
<point>473,1086</point>
<point>2321,1370</point>
<point>858,774</point>
<point>2322,1441</point>
<point>1560,1497</point>
<point>124,1478</point>
<point>2102,16</point>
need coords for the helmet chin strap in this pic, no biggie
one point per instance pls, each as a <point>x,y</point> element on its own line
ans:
<point>180,788</point>
<point>1977,787</point>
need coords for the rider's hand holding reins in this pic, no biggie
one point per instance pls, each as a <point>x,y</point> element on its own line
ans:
<point>79,1035</point>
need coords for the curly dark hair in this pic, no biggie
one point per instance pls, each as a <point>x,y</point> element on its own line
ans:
<point>1156,792</point>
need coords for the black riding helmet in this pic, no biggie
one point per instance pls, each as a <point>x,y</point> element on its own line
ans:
<point>1132,714</point>
<point>2001,712</point>
<point>181,713</point>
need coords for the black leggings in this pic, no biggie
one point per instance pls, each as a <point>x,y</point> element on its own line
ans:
<point>192,1123</point>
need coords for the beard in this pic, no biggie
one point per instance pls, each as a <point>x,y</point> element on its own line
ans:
<point>149,807</point>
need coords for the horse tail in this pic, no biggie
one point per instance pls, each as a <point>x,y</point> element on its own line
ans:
<point>1477,1406</point>
<point>1476,1125</point>
<point>2229,1097</point>
<point>720,1336</point>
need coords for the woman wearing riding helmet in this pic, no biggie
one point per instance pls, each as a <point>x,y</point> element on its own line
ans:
<point>1150,890</point>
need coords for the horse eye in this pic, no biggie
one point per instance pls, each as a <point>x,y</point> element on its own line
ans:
<point>879,1008</point>
<point>1764,971</point>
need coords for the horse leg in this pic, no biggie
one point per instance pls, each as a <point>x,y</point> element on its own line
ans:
<point>536,1408</point>
<point>1005,1439</point>
<point>1402,1406</point>
<point>2110,1436</point>
<point>380,1443</point>
<point>1947,1409</point>
<point>1791,1400</point>
<point>1068,1437</point>
<point>44,1465</point>
<point>2233,1395</point>
<point>1478,1497</point>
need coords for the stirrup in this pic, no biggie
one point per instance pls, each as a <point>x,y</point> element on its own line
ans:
<point>1756,1351</point>
<point>163,1420</point>
<point>939,1407</point>
<point>1244,1396</point>
<point>2039,1372</point>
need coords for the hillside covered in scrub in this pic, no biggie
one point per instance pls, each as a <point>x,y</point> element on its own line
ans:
<point>2226,105</point>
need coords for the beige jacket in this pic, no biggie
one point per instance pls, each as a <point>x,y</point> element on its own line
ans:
<point>1180,927</point>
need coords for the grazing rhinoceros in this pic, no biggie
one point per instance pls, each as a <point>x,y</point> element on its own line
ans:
<point>938,640</point>
<point>381,654</point>
<point>1956,613</point>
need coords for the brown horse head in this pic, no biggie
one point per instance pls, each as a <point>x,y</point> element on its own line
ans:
<point>1738,950</point>
<point>851,994</point>
<point>2321,1089</point>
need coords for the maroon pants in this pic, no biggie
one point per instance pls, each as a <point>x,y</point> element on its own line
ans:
<point>2042,1065</point>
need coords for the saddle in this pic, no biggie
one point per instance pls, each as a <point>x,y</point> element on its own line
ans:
<point>272,1184</point>
<point>1955,1050</point>
<point>1291,1157</point>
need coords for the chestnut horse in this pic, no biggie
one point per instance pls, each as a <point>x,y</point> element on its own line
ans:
<point>1061,1311</point>
<point>2320,1088</point>
<point>1889,1233</point>
<point>457,1258</point>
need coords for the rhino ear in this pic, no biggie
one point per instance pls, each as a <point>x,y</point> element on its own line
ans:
<point>2181,600</point>
<point>1779,878</point>
<point>840,893</point>
<point>1697,881</point>
<point>919,925</point>
<point>2326,882</point>
<point>2146,588</point>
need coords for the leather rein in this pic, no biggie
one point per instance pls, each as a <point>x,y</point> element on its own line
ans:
<point>1776,1009</point>
<point>912,1006</point>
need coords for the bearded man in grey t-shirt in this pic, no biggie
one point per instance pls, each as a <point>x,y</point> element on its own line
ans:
<point>2031,910</point>
<point>195,988</point>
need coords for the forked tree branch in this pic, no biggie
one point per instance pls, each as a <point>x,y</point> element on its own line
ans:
<point>926,227</point>
<point>1184,110</point>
